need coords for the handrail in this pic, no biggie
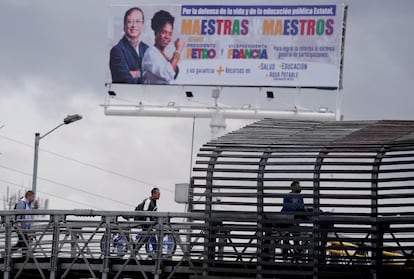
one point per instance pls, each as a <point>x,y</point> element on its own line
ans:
<point>101,243</point>
<point>92,212</point>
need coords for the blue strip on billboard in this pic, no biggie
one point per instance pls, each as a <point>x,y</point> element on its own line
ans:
<point>226,45</point>
<point>260,10</point>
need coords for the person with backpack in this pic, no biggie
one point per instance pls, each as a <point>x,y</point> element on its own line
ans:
<point>150,203</point>
<point>28,202</point>
<point>118,241</point>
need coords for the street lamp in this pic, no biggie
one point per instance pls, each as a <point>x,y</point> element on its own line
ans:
<point>67,120</point>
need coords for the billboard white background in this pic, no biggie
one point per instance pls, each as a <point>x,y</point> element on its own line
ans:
<point>301,48</point>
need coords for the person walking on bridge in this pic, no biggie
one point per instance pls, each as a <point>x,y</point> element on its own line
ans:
<point>28,202</point>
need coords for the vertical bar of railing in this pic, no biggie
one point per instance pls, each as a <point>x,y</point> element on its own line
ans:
<point>316,231</point>
<point>209,241</point>
<point>160,235</point>
<point>7,247</point>
<point>73,239</point>
<point>262,222</point>
<point>107,242</point>
<point>377,238</point>
<point>190,208</point>
<point>56,219</point>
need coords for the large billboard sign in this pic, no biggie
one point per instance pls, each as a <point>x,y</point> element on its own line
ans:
<point>227,45</point>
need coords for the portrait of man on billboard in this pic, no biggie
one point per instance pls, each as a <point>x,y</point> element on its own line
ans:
<point>160,67</point>
<point>126,56</point>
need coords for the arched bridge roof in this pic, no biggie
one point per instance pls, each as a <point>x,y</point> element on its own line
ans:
<point>367,165</point>
<point>271,132</point>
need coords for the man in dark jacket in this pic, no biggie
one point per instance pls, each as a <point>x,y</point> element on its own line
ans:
<point>126,56</point>
<point>150,204</point>
<point>293,202</point>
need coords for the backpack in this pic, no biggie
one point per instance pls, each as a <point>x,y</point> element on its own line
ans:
<point>140,207</point>
<point>15,205</point>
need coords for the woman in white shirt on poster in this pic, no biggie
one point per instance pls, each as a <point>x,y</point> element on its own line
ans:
<point>158,66</point>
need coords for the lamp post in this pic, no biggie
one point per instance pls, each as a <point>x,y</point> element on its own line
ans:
<point>68,119</point>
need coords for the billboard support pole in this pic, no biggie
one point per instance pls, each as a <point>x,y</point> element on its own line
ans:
<point>338,112</point>
<point>297,98</point>
<point>217,124</point>
<point>218,121</point>
<point>192,147</point>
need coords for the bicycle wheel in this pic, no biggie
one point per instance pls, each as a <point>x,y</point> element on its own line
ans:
<point>116,245</point>
<point>168,246</point>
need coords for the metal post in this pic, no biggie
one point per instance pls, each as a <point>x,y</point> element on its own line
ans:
<point>376,228</point>
<point>107,241</point>
<point>160,244</point>
<point>217,124</point>
<point>192,148</point>
<point>67,120</point>
<point>7,249</point>
<point>56,219</point>
<point>318,252</point>
<point>264,227</point>
<point>36,156</point>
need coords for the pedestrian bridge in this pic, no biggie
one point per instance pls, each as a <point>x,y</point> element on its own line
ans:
<point>357,180</point>
<point>75,244</point>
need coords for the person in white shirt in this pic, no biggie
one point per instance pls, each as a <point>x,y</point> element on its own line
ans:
<point>158,66</point>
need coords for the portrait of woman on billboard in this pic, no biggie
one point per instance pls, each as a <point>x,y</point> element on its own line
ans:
<point>158,66</point>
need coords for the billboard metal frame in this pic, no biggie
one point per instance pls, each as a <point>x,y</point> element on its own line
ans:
<point>219,113</point>
<point>216,112</point>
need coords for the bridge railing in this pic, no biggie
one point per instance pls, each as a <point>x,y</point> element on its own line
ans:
<point>87,235</point>
<point>113,244</point>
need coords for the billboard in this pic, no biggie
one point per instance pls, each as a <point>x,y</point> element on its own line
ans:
<point>226,45</point>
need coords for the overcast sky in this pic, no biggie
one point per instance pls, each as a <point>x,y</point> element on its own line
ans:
<point>53,61</point>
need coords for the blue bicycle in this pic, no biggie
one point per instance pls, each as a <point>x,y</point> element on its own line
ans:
<point>119,248</point>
